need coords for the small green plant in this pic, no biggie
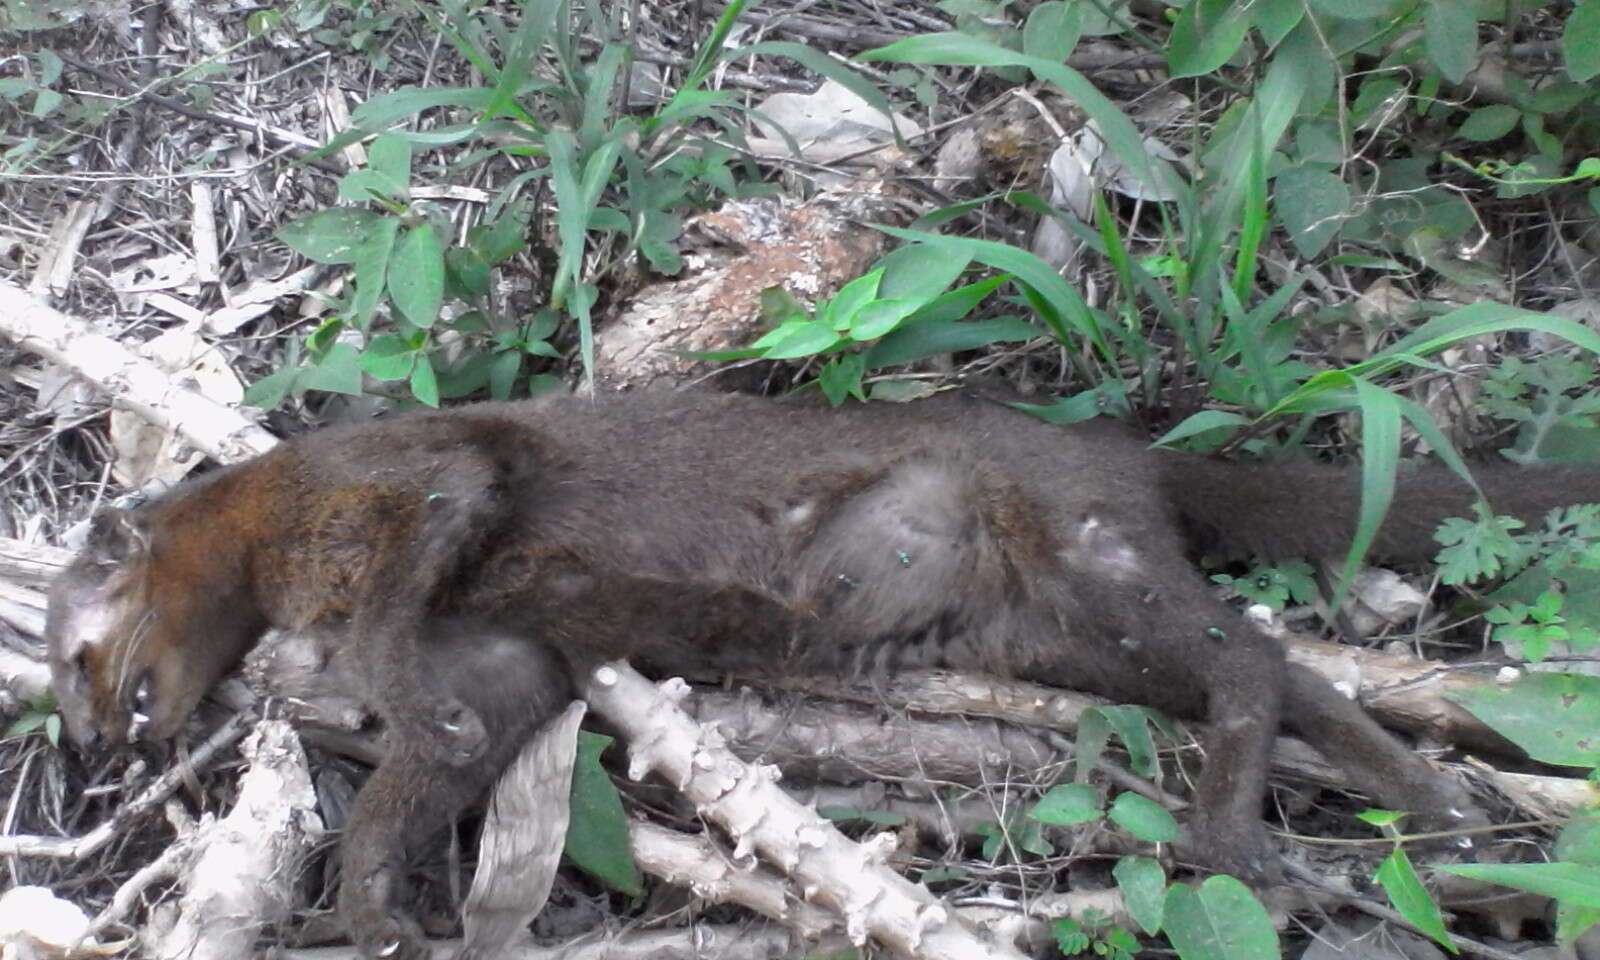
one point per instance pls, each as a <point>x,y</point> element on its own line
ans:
<point>1095,934</point>
<point>42,714</point>
<point>1274,584</point>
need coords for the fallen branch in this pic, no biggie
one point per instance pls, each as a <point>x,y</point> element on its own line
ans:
<point>131,381</point>
<point>244,873</point>
<point>850,878</point>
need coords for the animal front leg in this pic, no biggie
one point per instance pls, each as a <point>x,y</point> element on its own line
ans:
<point>1244,684</point>
<point>388,622</point>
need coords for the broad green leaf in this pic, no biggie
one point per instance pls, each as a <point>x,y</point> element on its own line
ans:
<point>597,837</point>
<point>1312,204</point>
<point>1450,35</point>
<point>1359,9</point>
<point>416,275</point>
<point>1132,725</point>
<point>1406,892</point>
<point>338,371</point>
<point>1203,422</point>
<point>919,271</point>
<point>803,340</point>
<point>1579,46</point>
<point>270,390</point>
<point>334,235</point>
<point>844,304</point>
<point>840,377</point>
<point>391,157</point>
<point>1207,34</point>
<point>926,338</point>
<point>1052,29</point>
<point>1575,883</point>
<point>502,374</point>
<point>372,269</point>
<point>1068,803</point>
<point>1144,818</point>
<point>1579,841</point>
<point>1143,884</point>
<point>1275,18</point>
<point>1222,920</point>
<point>879,317</point>
<point>1059,302</point>
<point>1489,123</point>
<point>387,109</point>
<point>388,358</point>
<point>1555,717</point>
<point>424,384</point>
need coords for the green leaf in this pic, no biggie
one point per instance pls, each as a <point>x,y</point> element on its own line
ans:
<point>1201,423</point>
<point>391,157</point>
<point>470,270</point>
<point>424,383</point>
<point>1052,29</point>
<point>597,837</point>
<point>270,390</point>
<point>1409,897</point>
<point>1058,302</point>
<point>1450,35</point>
<point>1207,34</point>
<point>1579,840</point>
<point>926,338</point>
<point>1222,920</point>
<point>1578,41</point>
<point>334,235</point>
<point>1575,883</point>
<point>1143,884</point>
<point>416,275</point>
<point>372,269</point>
<point>1555,717</point>
<point>919,271</point>
<point>844,304</point>
<point>388,358</point>
<point>1132,725</point>
<point>337,371</point>
<point>802,339</point>
<point>1068,803</point>
<point>503,374</point>
<point>1144,818</point>
<point>840,377</point>
<point>880,317</point>
<point>1312,204</point>
<point>1489,123</point>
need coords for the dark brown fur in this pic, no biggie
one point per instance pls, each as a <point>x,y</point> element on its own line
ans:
<point>743,535</point>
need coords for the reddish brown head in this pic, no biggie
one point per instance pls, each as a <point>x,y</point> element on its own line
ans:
<point>141,624</point>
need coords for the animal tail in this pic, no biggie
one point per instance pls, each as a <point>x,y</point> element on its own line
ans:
<point>1311,510</point>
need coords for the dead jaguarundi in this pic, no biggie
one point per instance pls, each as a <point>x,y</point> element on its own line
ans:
<point>745,535</point>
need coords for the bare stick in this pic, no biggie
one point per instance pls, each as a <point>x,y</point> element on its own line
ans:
<point>851,878</point>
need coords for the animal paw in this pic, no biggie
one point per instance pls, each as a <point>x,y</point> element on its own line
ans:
<point>463,730</point>
<point>378,932</point>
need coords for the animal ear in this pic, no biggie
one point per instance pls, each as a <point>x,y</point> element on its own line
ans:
<point>116,537</point>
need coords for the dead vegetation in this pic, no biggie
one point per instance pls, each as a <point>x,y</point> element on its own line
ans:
<point>150,230</point>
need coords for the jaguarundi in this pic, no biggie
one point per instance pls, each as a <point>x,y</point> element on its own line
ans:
<point>743,535</point>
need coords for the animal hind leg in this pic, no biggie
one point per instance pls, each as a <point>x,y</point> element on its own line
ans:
<point>1375,761</point>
